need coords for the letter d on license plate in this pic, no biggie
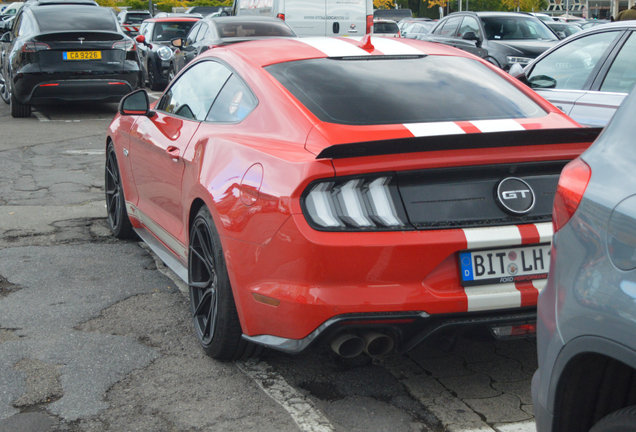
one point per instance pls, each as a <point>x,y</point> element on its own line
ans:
<point>515,264</point>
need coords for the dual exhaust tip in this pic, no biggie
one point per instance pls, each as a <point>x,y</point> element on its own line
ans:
<point>372,343</point>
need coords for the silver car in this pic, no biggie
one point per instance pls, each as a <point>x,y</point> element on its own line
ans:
<point>586,326</point>
<point>587,75</point>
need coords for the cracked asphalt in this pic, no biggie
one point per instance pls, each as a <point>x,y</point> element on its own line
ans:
<point>96,336</point>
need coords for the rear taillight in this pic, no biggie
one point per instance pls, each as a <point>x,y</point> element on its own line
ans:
<point>31,47</point>
<point>369,24</point>
<point>281,16</point>
<point>370,203</point>
<point>125,45</point>
<point>572,184</point>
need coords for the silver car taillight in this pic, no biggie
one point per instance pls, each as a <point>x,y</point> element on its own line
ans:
<point>355,204</point>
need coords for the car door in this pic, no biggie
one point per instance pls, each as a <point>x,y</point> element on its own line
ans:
<point>201,43</point>
<point>180,54</point>
<point>158,144</point>
<point>471,24</point>
<point>565,74</point>
<point>614,82</point>
<point>146,31</point>
<point>447,31</point>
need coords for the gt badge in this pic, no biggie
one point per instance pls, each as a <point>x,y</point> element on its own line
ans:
<point>515,196</point>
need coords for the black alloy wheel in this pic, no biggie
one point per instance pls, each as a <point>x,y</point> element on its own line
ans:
<point>5,94</point>
<point>214,315</point>
<point>18,109</point>
<point>115,202</point>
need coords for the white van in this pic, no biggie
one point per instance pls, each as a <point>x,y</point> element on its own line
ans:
<point>314,17</point>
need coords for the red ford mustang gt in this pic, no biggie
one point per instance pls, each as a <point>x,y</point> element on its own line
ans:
<point>363,192</point>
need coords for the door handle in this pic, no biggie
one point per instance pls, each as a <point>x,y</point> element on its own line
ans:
<point>173,152</point>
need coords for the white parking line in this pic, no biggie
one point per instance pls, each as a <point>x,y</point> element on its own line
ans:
<point>41,117</point>
<point>528,426</point>
<point>306,416</point>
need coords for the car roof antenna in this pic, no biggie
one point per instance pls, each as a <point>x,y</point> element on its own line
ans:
<point>365,43</point>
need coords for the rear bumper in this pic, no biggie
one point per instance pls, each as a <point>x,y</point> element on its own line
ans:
<point>47,88</point>
<point>318,277</point>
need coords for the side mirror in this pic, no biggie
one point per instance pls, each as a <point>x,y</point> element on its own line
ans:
<point>470,36</point>
<point>561,35</point>
<point>516,70</point>
<point>6,37</point>
<point>542,82</point>
<point>224,13</point>
<point>135,103</point>
<point>177,42</point>
<point>141,39</point>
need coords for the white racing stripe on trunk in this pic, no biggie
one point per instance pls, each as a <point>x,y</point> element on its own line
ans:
<point>302,411</point>
<point>487,297</point>
<point>434,129</point>
<point>478,238</point>
<point>497,125</point>
<point>394,47</point>
<point>545,231</point>
<point>333,47</point>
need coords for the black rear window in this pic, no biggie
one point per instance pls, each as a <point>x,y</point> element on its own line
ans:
<point>376,90</point>
<point>385,27</point>
<point>136,18</point>
<point>61,18</point>
<point>255,29</point>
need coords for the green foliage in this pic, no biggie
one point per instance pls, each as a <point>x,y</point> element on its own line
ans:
<point>209,3</point>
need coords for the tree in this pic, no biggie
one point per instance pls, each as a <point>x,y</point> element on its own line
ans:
<point>383,4</point>
<point>523,5</point>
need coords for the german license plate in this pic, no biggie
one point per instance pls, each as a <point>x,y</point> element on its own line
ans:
<point>82,55</point>
<point>514,264</point>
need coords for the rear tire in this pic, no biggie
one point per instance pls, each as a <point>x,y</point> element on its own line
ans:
<point>118,220</point>
<point>214,315</point>
<point>623,420</point>
<point>152,77</point>
<point>19,110</point>
<point>5,94</point>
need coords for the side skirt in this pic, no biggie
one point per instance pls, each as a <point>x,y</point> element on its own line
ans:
<point>164,253</point>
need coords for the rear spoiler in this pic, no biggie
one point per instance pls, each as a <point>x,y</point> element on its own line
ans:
<point>461,142</point>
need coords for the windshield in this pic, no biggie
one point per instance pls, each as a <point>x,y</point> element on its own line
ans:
<point>375,90</point>
<point>165,31</point>
<point>385,27</point>
<point>515,28</point>
<point>136,18</point>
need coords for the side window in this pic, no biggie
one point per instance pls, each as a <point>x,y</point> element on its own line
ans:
<point>571,65</point>
<point>193,94</point>
<point>438,28</point>
<point>193,34</point>
<point>450,27</point>
<point>202,33</point>
<point>622,75</point>
<point>234,103</point>
<point>469,24</point>
<point>17,25</point>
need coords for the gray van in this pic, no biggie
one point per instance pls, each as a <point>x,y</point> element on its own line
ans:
<point>314,17</point>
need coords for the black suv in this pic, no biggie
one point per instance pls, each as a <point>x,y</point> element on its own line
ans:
<point>502,38</point>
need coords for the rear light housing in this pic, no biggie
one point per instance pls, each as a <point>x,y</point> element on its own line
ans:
<point>31,47</point>
<point>281,16</point>
<point>365,203</point>
<point>125,45</point>
<point>369,24</point>
<point>572,184</point>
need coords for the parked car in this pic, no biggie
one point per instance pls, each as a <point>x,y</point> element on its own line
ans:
<point>313,18</point>
<point>305,200</point>
<point>392,14</point>
<point>502,38</point>
<point>408,21</point>
<point>567,18</point>
<point>177,15</point>
<point>208,10</point>
<point>413,30</point>
<point>591,23</point>
<point>219,31</point>
<point>563,30</point>
<point>586,335</point>
<point>543,17</point>
<point>588,75</point>
<point>66,52</point>
<point>385,28</point>
<point>11,9</point>
<point>155,48</point>
<point>131,20</point>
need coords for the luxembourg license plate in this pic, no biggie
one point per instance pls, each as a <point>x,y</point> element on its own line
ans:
<point>514,264</point>
<point>82,55</point>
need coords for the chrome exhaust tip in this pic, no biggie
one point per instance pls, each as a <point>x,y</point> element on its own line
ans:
<point>377,344</point>
<point>348,345</point>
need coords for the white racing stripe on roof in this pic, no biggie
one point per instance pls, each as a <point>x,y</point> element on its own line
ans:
<point>333,47</point>
<point>488,297</point>
<point>390,46</point>
<point>433,129</point>
<point>497,125</point>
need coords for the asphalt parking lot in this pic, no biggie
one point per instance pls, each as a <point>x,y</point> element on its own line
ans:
<point>95,333</point>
